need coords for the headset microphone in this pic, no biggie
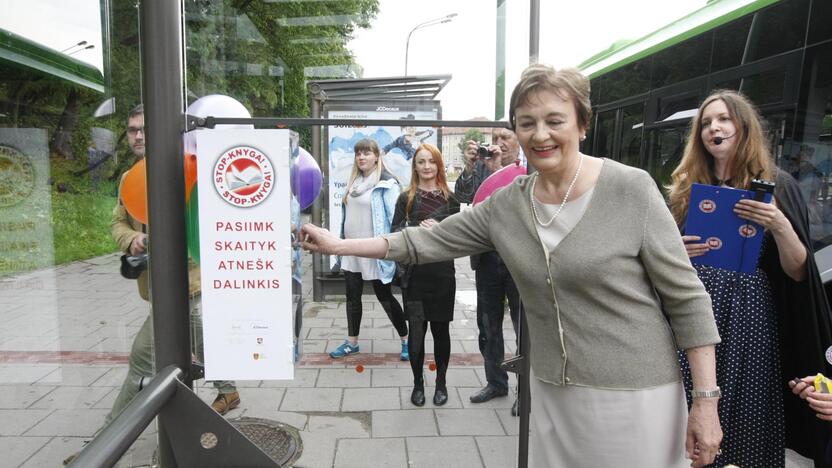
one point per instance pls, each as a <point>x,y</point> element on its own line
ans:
<point>719,140</point>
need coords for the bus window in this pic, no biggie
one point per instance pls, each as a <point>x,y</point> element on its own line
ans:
<point>682,61</point>
<point>667,146</point>
<point>809,157</point>
<point>632,127</point>
<point>604,134</point>
<point>819,21</point>
<point>778,29</point>
<point>729,44</point>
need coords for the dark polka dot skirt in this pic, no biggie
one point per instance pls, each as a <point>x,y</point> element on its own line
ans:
<point>747,368</point>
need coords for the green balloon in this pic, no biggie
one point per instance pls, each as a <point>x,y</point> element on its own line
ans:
<point>192,224</point>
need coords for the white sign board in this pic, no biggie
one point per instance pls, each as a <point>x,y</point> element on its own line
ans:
<point>245,253</point>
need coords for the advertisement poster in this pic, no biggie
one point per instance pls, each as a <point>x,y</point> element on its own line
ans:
<point>397,144</point>
<point>245,253</point>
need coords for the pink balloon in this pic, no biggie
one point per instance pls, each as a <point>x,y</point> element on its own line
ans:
<point>497,181</point>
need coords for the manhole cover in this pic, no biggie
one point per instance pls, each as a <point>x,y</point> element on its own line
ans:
<point>281,442</point>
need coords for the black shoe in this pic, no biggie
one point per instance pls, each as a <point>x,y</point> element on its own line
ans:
<point>515,409</point>
<point>488,392</point>
<point>440,397</point>
<point>418,396</point>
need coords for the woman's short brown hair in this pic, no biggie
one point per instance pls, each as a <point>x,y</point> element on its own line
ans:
<point>568,83</point>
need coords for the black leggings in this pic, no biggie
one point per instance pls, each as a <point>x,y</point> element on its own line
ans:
<point>384,294</point>
<point>441,349</point>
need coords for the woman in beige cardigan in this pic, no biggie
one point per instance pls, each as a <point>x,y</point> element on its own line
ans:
<point>608,290</point>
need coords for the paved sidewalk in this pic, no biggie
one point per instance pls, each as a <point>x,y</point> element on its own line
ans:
<point>63,351</point>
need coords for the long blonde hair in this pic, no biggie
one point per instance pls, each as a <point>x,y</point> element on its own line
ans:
<point>365,144</point>
<point>751,158</point>
<point>441,180</point>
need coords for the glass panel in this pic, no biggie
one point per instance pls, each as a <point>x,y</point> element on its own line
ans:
<point>632,128</point>
<point>729,44</point>
<point>819,21</point>
<point>677,107</point>
<point>762,88</point>
<point>604,134</point>
<point>686,60</point>
<point>69,76</point>
<point>667,146</point>
<point>779,28</point>
<point>629,80</point>
<point>809,157</point>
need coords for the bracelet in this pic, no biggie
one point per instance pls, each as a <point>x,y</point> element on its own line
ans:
<point>716,393</point>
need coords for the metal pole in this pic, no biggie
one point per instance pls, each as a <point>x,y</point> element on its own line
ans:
<point>162,87</point>
<point>534,31</point>
<point>107,448</point>
<point>500,78</point>
<point>316,96</point>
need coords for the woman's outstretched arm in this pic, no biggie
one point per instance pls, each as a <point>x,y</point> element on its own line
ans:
<point>320,240</point>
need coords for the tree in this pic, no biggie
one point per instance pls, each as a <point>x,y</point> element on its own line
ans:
<point>472,134</point>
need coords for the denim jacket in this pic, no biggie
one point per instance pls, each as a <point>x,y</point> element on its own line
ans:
<point>383,205</point>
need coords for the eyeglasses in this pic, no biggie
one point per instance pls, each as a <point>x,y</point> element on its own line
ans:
<point>133,131</point>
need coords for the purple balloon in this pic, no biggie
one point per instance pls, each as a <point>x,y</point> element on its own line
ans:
<point>306,179</point>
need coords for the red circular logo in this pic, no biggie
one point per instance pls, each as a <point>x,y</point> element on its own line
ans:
<point>748,230</point>
<point>243,176</point>
<point>707,206</point>
<point>715,243</point>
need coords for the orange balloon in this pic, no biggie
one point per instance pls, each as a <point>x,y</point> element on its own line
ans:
<point>134,192</point>
<point>190,175</point>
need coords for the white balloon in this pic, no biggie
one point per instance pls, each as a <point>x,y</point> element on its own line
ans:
<point>214,105</point>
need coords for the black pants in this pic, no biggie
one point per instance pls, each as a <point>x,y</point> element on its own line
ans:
<point>355,288</point>
<point>441,349</point>
<point>495,287</point>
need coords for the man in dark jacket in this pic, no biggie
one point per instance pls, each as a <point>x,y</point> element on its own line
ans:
<point>493,281</point>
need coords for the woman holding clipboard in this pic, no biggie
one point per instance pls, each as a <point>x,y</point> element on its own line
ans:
<point>775,322</point>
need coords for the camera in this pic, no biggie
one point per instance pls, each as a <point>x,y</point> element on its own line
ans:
<point>132,266</point>
<point>482,151</point>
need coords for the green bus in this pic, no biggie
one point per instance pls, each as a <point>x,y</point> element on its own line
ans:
<point>779,53</point>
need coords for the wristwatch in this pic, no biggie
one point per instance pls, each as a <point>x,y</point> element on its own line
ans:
<point>715,393</point>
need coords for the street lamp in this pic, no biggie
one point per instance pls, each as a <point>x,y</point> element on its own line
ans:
<point>74,46</point>
<point>433,22</point>
<point>91,46</point>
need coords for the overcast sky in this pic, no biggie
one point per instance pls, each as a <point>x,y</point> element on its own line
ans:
<point>570,32</point>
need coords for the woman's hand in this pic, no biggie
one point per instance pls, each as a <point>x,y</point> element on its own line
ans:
<point>316,239</point>
<point>764,214</point>
<point>793,253</point>
<point>428,223</point>
<point>704,433</point>
<point>695,249</point>
<point>821,403</point>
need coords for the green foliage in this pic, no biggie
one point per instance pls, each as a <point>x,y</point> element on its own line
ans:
<point>472,134</point>
<point>81,225</point>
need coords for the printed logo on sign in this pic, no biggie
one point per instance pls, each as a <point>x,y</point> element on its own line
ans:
<point>243,176</point>
<point>259,340</point>
<point>707,206</point>
<point>747,230</point>
<point>17,176</point>
<point>714,243</point>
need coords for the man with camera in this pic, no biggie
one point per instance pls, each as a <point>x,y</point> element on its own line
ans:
<point>130,235</point>
<point>493,281</point>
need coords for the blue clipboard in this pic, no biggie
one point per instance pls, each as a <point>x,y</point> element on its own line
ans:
<point>735,243</point>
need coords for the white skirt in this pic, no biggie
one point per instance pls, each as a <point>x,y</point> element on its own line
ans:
<point>579,427</point>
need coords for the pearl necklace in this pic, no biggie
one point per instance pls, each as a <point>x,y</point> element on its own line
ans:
<point>565,197</point>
